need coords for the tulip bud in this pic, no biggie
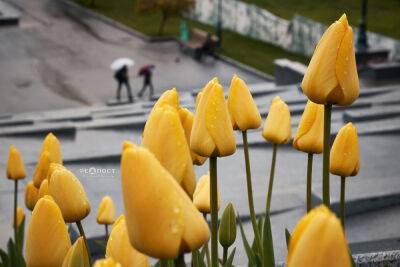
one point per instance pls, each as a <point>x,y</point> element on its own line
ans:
<point>31,195</point>
<point>120,248</point>
<point>47,241</point>
<point>277,127</point>
<point>109,262</point>
<point>345,158</point>
<point>15,165</point>
<point>201,196</point>
<point>52,145</point>
<point>169,97</point>
<point>52,168</point>
<point>20,216</point>
<point>242,108</point>
<point>212,132</point>
<point>318,240</point>
<point>127,144</point>
<point>187,122</point>
<point>164,136</point>
<point>106,212</point>
<point>310,134</point>
<point>41,169</point>
<point>227,227</point>
<point>77,255</point>
<point>156,208</point>
<point>69,195</point>
<point>331,76</point>
<point>44,188</point>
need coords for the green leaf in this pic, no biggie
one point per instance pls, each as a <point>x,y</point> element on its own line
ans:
<point>268,246</point>
<point>20,236</point>
<point>229,261</point>
<point>249,252</point>
<point>5,261</point>
<point>288,236</point>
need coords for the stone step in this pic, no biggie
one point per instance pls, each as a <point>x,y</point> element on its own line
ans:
<point>133,122</point>
<point>371,114</point>
<point>40,130</point>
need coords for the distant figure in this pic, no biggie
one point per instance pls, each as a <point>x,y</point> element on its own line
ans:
<point>146,72</point>
<point>122,78</point>
<point>206,48</point>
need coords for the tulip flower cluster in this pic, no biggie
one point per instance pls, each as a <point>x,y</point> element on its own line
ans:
<point>165,209</point>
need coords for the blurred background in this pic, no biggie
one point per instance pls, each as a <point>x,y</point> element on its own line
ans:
<point>60,69</point>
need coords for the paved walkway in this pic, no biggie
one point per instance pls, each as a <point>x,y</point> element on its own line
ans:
<point>56,58</point>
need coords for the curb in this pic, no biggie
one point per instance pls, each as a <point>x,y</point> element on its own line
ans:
<point>153,39</point>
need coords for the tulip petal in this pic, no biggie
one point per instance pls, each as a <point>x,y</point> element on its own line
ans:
<point>318,240</point>
<point>52,145</point>
<point>31,195</point>
<point>41,169</point>
<point>309,136</point>
<point>277,127</point>
<point>242,108</point>
<point>201,141</point>
<point>320,80</point>
<point>218,122</point>
<point>47,240</point>
<point>106,211</point>
<point>69,195</point>
<point>201,196</point>
<point>120,249</point>
<point>15,165</point>
<point>346,69</point>
<point>161,220</point>
<point>165,138</point>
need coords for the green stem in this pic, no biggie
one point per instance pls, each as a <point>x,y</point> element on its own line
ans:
<point>271,178</point>
<point>106,231</point>
<point>309,180</point>
<point>15,209</point>
<point>325,163</point>
<point>214,211</point>
<point>250,194</point>
<point>82,233</point>
<point>206,245</point>
<point>180,261</point>
<point>164,263</point>
<point>342,199</point>
<point>224,256</point>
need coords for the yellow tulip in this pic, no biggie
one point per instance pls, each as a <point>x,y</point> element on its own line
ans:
<point>161,219</point>
<point>109,262</point>
<point>69,195</point>
<point>318,240</point>
<point>77,255</point>
<point>187,122</point>
<point>345,158</point>
<point>169,97</point>
<point>41,169</point>
<point>106,212</point>
<point>15,165</point>
<point>31,195</point>
<point>201,196</point>
<point>164,136</point>
<point>52,145</point>
<point>331,77</point>
<point>20,216</point>
<point>242,108</point>
<point>52,168</point>
<point>47,240</point>
<point>44,188</point>
<point>310,134</point>
<point>127,144</point>
<point>277,127</point>
<point>120,249</point>
<point>212,132</point>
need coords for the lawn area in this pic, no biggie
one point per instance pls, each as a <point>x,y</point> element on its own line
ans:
<point>383,15</point>
<point>246,50</point>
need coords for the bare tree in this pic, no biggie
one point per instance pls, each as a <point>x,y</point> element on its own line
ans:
<point>168,8</point>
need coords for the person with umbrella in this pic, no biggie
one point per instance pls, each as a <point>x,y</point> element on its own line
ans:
<point>120,66</point>
<point>146,72</point>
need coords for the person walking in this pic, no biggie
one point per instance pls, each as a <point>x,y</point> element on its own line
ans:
<point>146,71</point>
<point>123,79</point>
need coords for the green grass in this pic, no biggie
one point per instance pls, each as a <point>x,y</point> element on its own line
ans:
<point>246,50</point>
<point>383,15</point>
